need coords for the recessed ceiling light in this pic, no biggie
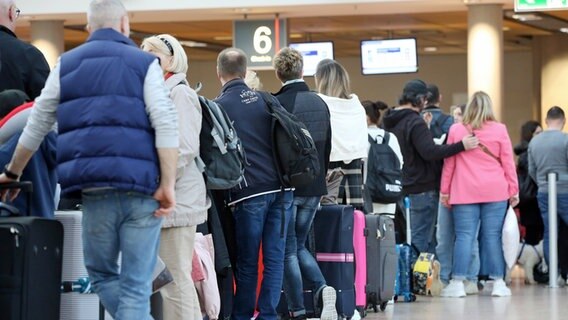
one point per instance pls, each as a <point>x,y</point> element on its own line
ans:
<point>193,44</point>
<point>565,30</point>
<point>223,38</point>
<point>296,35</point>
<point>430,49</point>
<point>242,10</point>
<point>526,17</point>
<point>506,29</point>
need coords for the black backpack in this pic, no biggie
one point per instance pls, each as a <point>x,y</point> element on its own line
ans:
<point>220,149</point>
<point>294,149</point>
<point>384,175</point>
<point>436,126</point>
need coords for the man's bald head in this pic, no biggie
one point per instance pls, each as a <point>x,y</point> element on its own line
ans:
<point>8,15</point>
<point>232,63</point>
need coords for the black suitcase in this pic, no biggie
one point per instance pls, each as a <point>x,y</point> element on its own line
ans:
<point>30,269</point>
<point>382,260</point>
<point>333,230</point>
<point>31,251</point>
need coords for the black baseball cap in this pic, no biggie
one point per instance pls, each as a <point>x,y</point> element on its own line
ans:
<point>414,88</point>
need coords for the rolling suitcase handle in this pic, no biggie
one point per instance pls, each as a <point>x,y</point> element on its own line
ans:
<point>25,186</point>
<point>408,228</point>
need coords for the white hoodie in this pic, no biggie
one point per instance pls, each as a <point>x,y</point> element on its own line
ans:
<point>348,128</point>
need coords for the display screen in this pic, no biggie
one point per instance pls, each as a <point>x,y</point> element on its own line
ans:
<point>313,53</point>
<point>389,56</point>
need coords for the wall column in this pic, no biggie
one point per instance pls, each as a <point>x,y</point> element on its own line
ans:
<point>47,36</point>
<point>485,53</point>
<point>553,54</point>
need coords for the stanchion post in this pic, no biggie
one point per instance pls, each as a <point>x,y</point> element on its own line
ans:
<point>552,231</point>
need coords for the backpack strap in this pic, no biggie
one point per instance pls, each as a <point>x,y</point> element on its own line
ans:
<point>386,137</point>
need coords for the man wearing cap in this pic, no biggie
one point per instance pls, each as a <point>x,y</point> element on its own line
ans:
<point>419,152</point>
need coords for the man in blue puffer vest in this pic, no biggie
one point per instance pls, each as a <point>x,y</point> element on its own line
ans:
<point>117,146</point>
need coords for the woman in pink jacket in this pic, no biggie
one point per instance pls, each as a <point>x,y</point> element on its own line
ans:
<point>477,184</point>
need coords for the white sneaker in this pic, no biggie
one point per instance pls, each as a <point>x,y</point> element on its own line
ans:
<point>454,290</point>
<point>471,287</point>
<point>356,315</point>
<point>328,297</point>
<point>500,289</point>
<point>561,282</point>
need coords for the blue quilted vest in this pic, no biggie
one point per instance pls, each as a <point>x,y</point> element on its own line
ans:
<point>105,137</point>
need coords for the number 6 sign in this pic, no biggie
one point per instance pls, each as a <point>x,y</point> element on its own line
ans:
<point>260,40</point>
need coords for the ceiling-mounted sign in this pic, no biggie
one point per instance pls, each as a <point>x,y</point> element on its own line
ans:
<point>540,5</point>
<point>260,40</point>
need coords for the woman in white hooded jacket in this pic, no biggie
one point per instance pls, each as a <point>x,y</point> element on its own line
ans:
<point>348,129</point>
<point>177,237</point>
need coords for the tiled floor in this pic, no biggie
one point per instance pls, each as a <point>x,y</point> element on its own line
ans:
<point>529,302</point>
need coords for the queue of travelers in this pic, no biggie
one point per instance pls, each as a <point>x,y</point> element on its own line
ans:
<point>146,200</point>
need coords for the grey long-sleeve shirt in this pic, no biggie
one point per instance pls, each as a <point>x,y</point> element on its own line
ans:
<point>161,111</point>
<point>548,152</point>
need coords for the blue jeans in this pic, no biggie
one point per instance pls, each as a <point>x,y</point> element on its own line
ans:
<point>257,220</point>
<point>119,221</point>
<point>467,219</point>
<point>423,212</point>
<point>298,262</point>
<point>561,210</point>
<point>446,237</point>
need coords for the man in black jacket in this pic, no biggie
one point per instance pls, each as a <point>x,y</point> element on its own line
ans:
<point>261,207</point>
<point>22,66</point>
<point>419,150</point>
<point>296,97</point>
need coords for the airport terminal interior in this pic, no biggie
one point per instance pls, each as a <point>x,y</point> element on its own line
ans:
<point>529,63</point>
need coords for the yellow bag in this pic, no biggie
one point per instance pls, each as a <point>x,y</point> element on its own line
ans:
<point>423,273</point>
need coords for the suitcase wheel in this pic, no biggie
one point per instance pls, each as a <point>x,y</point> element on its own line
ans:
<point>383,306</point>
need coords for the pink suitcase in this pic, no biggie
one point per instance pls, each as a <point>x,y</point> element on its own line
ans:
<point>360,250</point>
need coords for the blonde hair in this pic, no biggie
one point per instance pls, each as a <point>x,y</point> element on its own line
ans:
<point>289,64</point>
<point>252,80</point>
<point>332,79</point>
<point>105,14</point>
<point>479,110</point>
<point>159,44</point>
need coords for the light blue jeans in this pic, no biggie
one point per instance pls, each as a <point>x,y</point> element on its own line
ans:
<point>446,237</point>
<point>562,213</point>
<point>299,263</point>
<point>423,213</point>
<point>120,221</point>
<point>259,219</point>
<point>489,218</point>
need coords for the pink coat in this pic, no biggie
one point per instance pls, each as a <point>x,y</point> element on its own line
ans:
<point>474,176</point>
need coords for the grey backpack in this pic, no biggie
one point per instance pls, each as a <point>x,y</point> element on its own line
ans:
<point>220,150</point>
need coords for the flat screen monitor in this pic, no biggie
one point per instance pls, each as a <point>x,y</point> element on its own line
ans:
<point>389,56</point>
<point>313,53</point>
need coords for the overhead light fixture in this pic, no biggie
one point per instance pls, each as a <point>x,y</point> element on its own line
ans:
<point>564,30</point>
<point>296,35</point>
<point>223,38</point>
<point>538,20</point>
<point>242,10</point>
<point>526,17</point>
<point>430,49</point>
<point>506,29</point>
<point>193,44</point>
